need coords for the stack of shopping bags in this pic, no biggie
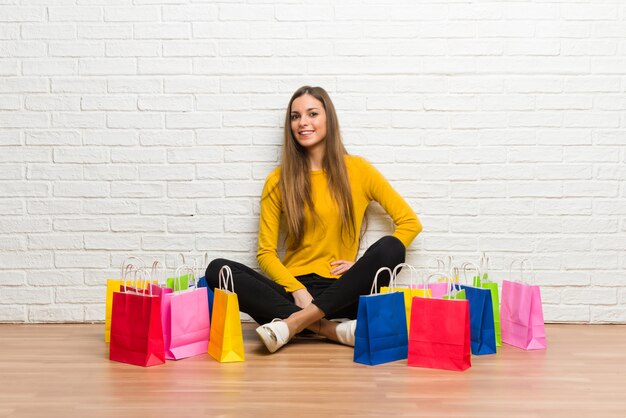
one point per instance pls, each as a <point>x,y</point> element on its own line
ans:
<point>151,318</point>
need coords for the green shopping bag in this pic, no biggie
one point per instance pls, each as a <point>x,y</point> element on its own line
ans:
<point>178,283</point>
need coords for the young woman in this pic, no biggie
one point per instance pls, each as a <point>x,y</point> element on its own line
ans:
<point>321,193</point>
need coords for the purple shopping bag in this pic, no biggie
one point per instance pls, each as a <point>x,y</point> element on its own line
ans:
<point>521,314</point>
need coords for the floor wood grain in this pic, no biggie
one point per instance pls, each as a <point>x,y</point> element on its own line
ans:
<point>63,370</point>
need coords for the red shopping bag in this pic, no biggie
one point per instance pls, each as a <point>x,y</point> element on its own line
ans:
<point>136,332</point>
<point>114,285</point>
<point>440,334</point>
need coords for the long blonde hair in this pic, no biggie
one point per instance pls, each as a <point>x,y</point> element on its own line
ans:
<point>295,181</point>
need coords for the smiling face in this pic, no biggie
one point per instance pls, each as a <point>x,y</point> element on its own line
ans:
<point>308,122</point>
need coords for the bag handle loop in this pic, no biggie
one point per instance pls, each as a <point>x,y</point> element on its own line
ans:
<point>522,261</point>
<point>374,289</point>
<point>444,264</point>
<point>145,282</point>
<point>225,274</point>
<point>204,264</point>
<point>471,266</point>
<point>190,275</point>
<point>126,271</point>
<point>153,272</point>
<point>395,275</point>
<point>484,266</point>
<point>132,257</point>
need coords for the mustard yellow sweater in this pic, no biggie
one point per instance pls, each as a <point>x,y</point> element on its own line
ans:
<point>322,244</point>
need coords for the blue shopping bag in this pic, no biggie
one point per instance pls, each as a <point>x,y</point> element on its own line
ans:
<point>381,334</point>
<point>482,331</point>
<point>202,283</point>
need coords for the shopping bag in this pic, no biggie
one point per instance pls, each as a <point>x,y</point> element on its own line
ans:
<point>521,313</point>
<point>408,291</point>
<point>114,285</point>
<point>186,320</point>
<point>481,320</point>
<point>440,334</point>
<point>226,338</point>
<point>444,287</point>
<point>136,332</point>
<point>438,290</point>
<point>485,283</point>
<point>482,329</point>
<point>177,283</point>
<point>380,335</point>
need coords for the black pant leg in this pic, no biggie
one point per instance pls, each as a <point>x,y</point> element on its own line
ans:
<point>260,297</point>
<point>344,294</point>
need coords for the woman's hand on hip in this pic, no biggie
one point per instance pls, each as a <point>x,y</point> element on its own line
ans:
<point>302,298</point>
<point>341,267</point>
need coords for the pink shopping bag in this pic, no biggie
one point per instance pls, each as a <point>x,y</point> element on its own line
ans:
<point>186,322</point>
<point>521,314</point>
<point>441,287</point>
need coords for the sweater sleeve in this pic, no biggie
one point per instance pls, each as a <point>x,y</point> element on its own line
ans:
<point>269,226</point>
<point>378,189</point>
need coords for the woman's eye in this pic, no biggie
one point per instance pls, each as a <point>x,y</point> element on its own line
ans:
<point>313,114</point>
<point>294,117</point>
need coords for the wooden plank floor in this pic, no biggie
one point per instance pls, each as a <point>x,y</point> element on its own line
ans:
<point>63,370</point>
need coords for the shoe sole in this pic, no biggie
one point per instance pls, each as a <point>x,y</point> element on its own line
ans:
<point>267,339</point>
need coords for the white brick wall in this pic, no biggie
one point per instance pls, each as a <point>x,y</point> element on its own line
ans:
<point>147,128</point>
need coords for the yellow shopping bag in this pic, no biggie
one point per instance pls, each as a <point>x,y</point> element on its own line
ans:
<point>408,292</point>
<point>226,338</point>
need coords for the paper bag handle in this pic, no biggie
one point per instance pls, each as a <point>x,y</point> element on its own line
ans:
<point>473,266</point>
<point>190,274</point>
<point>153,272</point>
<point>374,288</point>
<point>521,269</point>
<point>145,281</point>
<point>454,273</point>
<point>204,265</point>
<point>444,264</point>
<point>132,257</point>
<point>484,266</point>
<point>125,272</point>
<point>225,274</point>
<point>395,275</point>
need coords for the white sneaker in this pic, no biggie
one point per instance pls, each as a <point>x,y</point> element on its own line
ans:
<point>346,332</point>
<point>274,334</point>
